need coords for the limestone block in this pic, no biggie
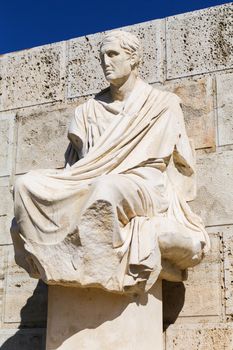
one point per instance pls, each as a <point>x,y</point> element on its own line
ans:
<point>23,339</point>
<point>42,137</point>
<point>200,41</point>
<point>225,108</point>
<point>214,201</point>
<point>85,75</point>
<point>7,122</point>
<point>1,81</point>
<point>228,267</point>
<point>6,210</point>
<point>152,37</point>
<point>25,298</point>
<point>203,287</point>
<point>34,76</point>
<point>2,278</point>
<point>198,106</point>
<point>201,292</point>
<point>200,337</point>
<point>97,320</point>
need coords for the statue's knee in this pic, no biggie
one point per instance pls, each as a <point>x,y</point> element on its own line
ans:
<point>196,252</point>
<point>105,186</point>
<point>183,250</point>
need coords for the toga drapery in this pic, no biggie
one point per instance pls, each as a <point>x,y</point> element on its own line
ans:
<point>130,172</point>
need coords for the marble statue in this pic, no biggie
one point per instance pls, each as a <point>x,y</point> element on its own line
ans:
<point>116,217</point>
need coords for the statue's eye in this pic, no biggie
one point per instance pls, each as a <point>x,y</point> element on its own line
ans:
<point>112,53</point>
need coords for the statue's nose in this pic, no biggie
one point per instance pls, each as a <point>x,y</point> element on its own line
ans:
<point>106,60</point>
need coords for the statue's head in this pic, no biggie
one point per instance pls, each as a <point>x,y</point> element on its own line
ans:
<point>120,54</point>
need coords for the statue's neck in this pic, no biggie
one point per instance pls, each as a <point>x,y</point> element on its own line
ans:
<point>121,91</point>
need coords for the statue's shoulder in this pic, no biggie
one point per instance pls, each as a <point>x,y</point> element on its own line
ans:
<point>103,95</point>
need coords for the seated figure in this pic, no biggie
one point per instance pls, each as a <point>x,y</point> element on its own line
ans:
<point>116,217</point>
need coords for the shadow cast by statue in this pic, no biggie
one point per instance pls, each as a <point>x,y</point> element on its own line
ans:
<point>173,302</point>
<point>32,329</point>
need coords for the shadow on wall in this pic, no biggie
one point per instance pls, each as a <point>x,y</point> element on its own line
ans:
<point>32,330</point>
<point>173,302</point>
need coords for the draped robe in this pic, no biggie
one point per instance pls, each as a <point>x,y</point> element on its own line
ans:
<point>117,215</point>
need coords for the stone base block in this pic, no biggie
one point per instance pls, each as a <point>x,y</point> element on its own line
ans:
<point>92,319</point>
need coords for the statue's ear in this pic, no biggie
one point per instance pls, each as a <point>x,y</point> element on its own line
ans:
<point>133,60</point>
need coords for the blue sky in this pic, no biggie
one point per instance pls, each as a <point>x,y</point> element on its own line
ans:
<point>28,23</point>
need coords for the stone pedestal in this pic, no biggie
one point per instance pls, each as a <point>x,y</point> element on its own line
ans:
<point>92,319</point>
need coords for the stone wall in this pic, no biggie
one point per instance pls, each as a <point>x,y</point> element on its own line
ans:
<point>190,54</point>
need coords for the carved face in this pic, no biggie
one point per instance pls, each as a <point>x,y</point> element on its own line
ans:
<point>115,61</point>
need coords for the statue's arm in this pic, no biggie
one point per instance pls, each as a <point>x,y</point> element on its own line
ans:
<point>76,136</point>
<point>181,170</point>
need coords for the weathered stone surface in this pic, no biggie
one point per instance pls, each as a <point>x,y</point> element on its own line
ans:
<point>214,202</point>
<point>198,106</point>
<point>200,41</point>
<point>152,37</point>
<point>42,142</point>
<point>3,263</point>
<point>201,292</point>
<point>6,210</point>
<point>34,76</point>
<point>228,267</point>
<point>25,298</point>
<point>200,337</point>
<point>23,339</point>
<point>85,75</point>
<point>42,137</point>
<point>7,123</point>
<point>1,81</point>
<point>203,287</point>
<point>84,72</point>
<point>225,108</point>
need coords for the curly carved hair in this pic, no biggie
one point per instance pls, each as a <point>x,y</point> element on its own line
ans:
<point>129,42</point>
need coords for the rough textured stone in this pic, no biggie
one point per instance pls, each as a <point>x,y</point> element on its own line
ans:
<point>1,81</point>
<point>198,106</point>
<point>152,37</point>
<point>203,287</point>
<point>25,298</point>
<point>3,263</point>
<point>85,75</point>
<point>225,108</point>
<point>201,293</point>
<point>214,202</point>
<point>200,41</point>
<point>34,76</point>
<point>42,137</point>
<point>196,42</point>
<point>7,122</point>
<point>200,337</point>
<point>84,72</point>
<point>228,267</point>
<point>6,210</point>
<point>23,339</point>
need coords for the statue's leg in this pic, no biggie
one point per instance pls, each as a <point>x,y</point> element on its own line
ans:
<point>130,196</point>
